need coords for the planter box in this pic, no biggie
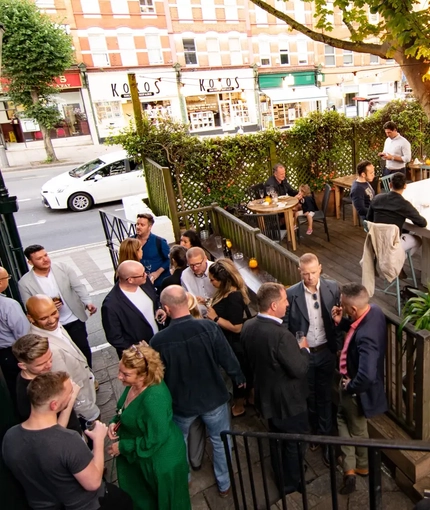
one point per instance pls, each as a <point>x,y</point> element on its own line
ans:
<point>331,209</point>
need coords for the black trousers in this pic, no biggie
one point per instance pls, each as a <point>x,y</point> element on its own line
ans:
<point>287,474</point>
<point>115,499</point>
<point>388,171</point>
<point>9,367</point>
<point>78,333</point>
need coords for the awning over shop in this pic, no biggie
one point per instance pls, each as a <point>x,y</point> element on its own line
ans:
<point>295,95</point>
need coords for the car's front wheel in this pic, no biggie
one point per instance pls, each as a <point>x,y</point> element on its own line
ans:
<point>79,202</point>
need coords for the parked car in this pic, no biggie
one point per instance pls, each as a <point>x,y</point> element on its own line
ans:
<point>104,179</point>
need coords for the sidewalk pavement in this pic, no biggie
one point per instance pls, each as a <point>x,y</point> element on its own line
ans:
<point>70,151</point>
<point>93,266</point>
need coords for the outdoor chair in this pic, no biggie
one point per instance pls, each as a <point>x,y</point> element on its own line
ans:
<point>346,201</point>
<point>320,216</point>
<point>267,223</point>
<point>254,190</point>
<point>385,181</point>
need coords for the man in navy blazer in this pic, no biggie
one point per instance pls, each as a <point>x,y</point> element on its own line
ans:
<point>361,366</point>
<point>130,309</point>
<point>310,305</point>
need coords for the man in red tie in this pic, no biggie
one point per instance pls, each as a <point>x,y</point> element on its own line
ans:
<point>361,366</point>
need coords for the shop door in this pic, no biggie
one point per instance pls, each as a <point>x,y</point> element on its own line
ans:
<point>228,116</point>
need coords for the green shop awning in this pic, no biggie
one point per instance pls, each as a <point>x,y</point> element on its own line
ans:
<point>267,81</point>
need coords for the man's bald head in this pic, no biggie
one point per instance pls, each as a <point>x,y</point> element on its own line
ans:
<point>131,271</point>
<point>4,279</point>
<point>197,260</point>
<point>174,300</point>
<point>42,312</point>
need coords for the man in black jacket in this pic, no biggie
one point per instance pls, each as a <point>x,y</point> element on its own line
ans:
<point>279,365</point>
<point>362,192</point>
<point>391,208</point>
<point>361,366</point>
<point>280,183</point>
<point>310,305</point>
<point>131,309</point>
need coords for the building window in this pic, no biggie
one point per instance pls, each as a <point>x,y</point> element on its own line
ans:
<point>98,50</point>
<point>214,55</point>
<point>374,59</point>
<point>302,52</point>
<point>284,53</point>
<point>260,16</point>
<point>153,45</point>
<point>208,10</point>
<point>190,52</point>
<point>299,11</point>
<point>119,6</point>
<point>264,50</point>
<point>230,9</point>
<point>185,11</point>
<point>374,18</point>
<point>127,49</point>
<point>45,4</point>
<point>330,7</point>
<point>90,6</point>
<point>329,54</point>
<point>348,58</point>
<point>147,6</point>
<point>235,49</point>
<point>108,110</point>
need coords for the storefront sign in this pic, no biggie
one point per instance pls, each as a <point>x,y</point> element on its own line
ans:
<point>68,81</point>
<point>219,85</point>
<point>145,89</point>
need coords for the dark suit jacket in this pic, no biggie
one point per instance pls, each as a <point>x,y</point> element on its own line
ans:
<point>283,188</point>
<point>365,361</point>
<point>173,279</point>
<point>123,323</point>
<point>279,368</point>
<point>297,318</point>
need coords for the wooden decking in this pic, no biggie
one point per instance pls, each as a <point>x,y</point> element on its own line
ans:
<point>340,258</point>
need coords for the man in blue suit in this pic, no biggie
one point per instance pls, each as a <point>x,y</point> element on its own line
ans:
<point>361,366</point>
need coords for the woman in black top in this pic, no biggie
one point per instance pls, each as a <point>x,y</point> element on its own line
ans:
<point>178,262</point>
<point>190,239</point>
<point>228,307</point>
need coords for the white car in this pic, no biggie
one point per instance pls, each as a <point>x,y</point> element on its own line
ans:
<point>104,179</point>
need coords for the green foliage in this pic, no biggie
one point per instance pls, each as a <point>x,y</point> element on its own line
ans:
<point>417,310</point>
<point>35,51</point>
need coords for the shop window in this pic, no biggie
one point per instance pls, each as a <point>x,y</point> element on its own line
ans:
<point>214,55</point>
<point>157,110</point>
<point>208,10</point>
<point>235,49</point>
<point>128,49</point>
<point>230,10</point>
<point>90,6</point>
<point>374,59</point>
<point>98,49</point>
<point>119,6</point>
<point>75,120</point>
<point>299,11</point>
<point>153,45</point>
<point>348,58</point>
<point>260,16</point>
<point>264,50</point>
<point>284,54</point>
<point>190,52</point>
<point>147,6</point>
<point>185,11</point>
<point>302,52</point>
<point>329,55</point>
<point>108,111</point>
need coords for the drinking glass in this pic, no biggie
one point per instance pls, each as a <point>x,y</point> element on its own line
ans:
<point>299,336</point>
<point>261,193</point>
<point>218,241</point>
<point>148,266</point>
<point>90,424</point>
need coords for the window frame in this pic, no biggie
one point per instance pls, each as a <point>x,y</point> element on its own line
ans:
<point>188,52</point>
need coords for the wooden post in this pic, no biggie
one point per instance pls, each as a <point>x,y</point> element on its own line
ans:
<point>422,406</point>
<point>137,108</point>
<point>172,202</point>
<point>355,150</point>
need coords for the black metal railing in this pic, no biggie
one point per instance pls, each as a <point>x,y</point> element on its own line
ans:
<point>253,482</point>
<point>116,229</point>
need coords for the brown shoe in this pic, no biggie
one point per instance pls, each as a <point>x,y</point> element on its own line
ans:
<point>224,494</point>
<point>349,483</point>
<point>361,471</point>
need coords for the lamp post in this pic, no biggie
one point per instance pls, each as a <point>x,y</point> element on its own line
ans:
<point>11,254</point>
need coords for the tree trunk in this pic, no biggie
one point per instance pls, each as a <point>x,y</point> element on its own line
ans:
<point>414,74</point>
<point>47,142</point>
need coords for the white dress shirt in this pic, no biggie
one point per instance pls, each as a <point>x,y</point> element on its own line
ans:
<point>50,288</point>
<point>316,333</point>
<point>397,146</point>
<point>198,285</point>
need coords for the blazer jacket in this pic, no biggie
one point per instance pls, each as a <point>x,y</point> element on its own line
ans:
<point>72,289</point>
<point>69,358</point>
<point>123,323</point>
<point>297,318</point>
<point>365,361</point>
<point>279,368</point>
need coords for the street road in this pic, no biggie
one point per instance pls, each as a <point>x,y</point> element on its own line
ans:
<point>55,230</point>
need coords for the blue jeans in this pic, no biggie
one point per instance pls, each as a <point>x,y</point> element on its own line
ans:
<point>216,421</point>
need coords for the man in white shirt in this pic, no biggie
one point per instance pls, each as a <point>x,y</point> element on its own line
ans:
<point>397,150</point>
<point>45,322</point>
<point>61,283</point>
<point>195,278</point>
<point>130,309</point>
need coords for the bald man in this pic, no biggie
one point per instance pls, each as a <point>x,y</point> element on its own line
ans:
<point>130,308</point>
<point>13,325</point>
<point>66,356</point>
<point>195,279</point>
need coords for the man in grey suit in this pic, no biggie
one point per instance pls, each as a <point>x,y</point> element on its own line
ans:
<point>310,305</point>
<point>279,365</point>
<point>59,282</point>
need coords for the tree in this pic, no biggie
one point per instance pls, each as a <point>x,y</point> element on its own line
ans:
<point>401,34</point>
<point>35,52</point>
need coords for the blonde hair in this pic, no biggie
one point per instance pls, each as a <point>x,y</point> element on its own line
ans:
<point>193,306</point>
<point>224,271</point>
<point>145,361</point>
<point>30,347</point>
<point>305,190</point>
<point>128,250</point>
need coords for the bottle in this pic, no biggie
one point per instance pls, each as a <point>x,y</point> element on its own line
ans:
<point>226,250</point>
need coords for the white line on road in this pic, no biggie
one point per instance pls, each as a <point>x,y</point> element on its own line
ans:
<point>33,177</point>
<point>120,209</point>
<point>40,222</point>
<point>25,199</point>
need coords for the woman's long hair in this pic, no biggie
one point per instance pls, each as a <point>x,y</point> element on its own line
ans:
<point>128,250</point>
<point>227,274</point>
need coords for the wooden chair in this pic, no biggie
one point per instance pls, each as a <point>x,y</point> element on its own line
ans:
<point>267,223</point>
<point>319,216</point>
<point>254,191</point>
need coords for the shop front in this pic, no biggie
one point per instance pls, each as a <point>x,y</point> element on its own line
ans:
<point>284,98</point>
<point>220,101</point>
<point>111,98</point>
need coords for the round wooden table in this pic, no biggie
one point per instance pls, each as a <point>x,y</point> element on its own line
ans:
<point>285,205</point>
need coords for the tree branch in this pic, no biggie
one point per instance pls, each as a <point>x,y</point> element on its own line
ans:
<point>360,47</point>
<point>349,26</point>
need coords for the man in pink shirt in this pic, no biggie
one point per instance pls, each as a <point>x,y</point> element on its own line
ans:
<point>361,365</point>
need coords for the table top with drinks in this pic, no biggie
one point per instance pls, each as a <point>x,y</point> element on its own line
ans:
<point>270,201</point>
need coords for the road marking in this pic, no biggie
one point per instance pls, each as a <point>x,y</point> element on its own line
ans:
<point>40,222</point>
<point>33,177</point>
<point>100,347</point>
<point>120,209</point>
<point>25,199</point>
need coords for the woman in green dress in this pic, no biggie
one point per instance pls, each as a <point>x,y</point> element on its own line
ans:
<point>150,450</point>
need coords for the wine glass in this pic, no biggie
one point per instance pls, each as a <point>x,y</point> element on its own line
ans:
<point>261,193</point>
<point>148,267</point>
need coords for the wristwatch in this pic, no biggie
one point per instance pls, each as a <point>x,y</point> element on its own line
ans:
<point>216,319</point>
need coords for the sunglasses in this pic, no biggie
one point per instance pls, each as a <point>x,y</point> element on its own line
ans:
<point>316,304</point>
